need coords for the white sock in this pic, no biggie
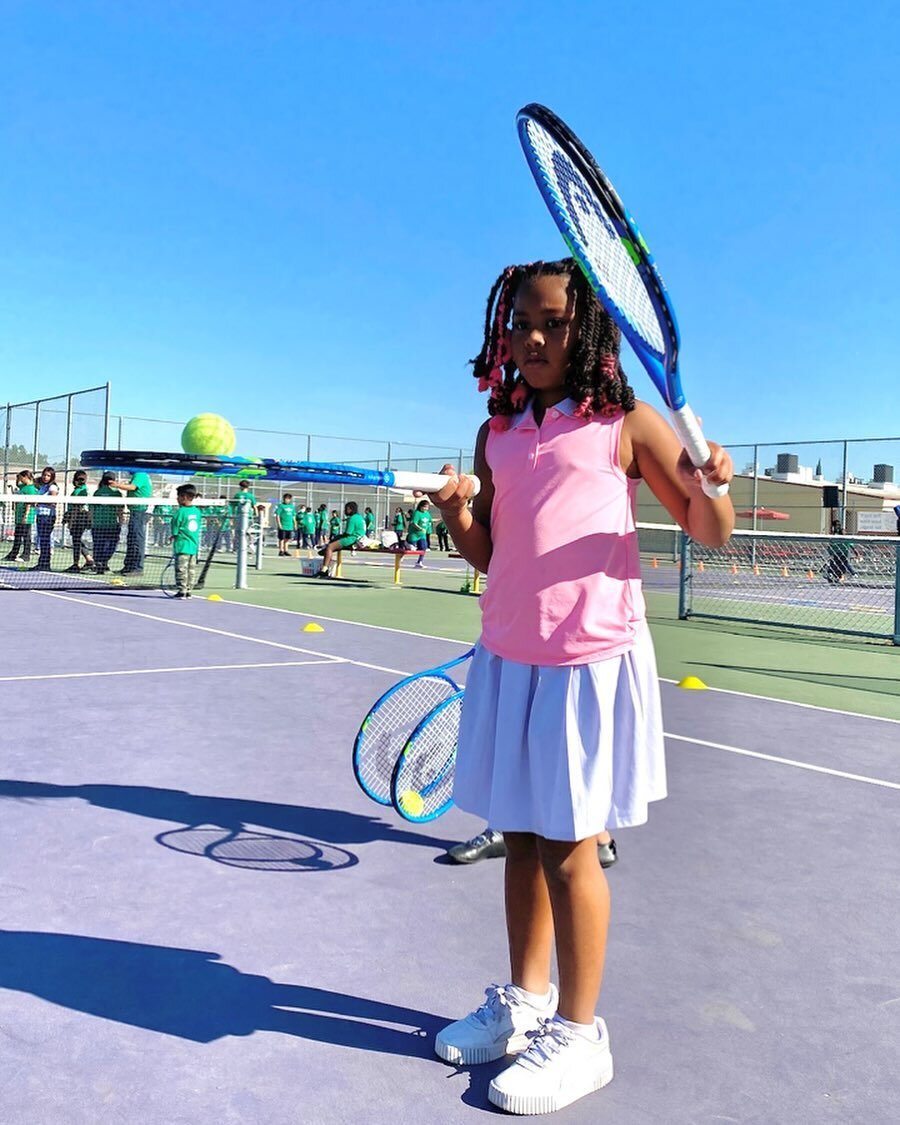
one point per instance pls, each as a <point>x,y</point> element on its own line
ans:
<point>587,1030</point>
<point>533,998</point>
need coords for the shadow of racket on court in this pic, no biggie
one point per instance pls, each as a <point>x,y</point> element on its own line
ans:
<point>194,995</point>
<point>256,851</point>
<point>261,835</point>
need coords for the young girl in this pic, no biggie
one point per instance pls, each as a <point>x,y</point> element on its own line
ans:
<point>46,516</point>
<point>561,733</point>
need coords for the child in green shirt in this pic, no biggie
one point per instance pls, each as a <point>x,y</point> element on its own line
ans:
<point>24,518</point>
<point>285,518</point>
<point>354,530</point>
<point>186,523</point>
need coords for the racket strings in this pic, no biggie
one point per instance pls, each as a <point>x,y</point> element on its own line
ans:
<point>427,765</point>
<point>388,726</point>
<point>593,236</point>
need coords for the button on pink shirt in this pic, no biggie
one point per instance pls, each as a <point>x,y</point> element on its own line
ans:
<point>565,585</point>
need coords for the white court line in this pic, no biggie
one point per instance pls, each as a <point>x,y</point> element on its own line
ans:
<point>158,671</point>
<point>792,703</point>
<point>424,636</point>
<point>785,761</point>
<point>464,644</point>
<point>326,657</point>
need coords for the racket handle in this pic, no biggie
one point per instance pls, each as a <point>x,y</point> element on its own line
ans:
<point>688,429</point>
<point>427,482</point>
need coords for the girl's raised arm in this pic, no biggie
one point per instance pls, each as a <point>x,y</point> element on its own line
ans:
<point>650,449</point>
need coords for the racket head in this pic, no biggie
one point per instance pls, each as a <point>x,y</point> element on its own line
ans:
<point>167,581</point>
<point>422,781</point>
<point>605,241</point>
<point>386,728</point>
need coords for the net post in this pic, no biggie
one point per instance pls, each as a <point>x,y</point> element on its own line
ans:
<point>258,557</point>
<point>37,434</point>
<point>684,576</point>
<point>240,570</point>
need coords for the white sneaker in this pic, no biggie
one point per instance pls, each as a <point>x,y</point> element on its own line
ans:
<point>558,1068</point>
<point>499,1027</point>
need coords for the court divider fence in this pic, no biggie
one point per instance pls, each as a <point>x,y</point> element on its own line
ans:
<point>828,583</point>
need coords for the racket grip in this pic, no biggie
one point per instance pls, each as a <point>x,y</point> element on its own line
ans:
<point>429,482</point>
<point>688,429</point>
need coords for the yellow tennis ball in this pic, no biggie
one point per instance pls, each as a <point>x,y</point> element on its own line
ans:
<point>412,802</point>
<point>209,435</point>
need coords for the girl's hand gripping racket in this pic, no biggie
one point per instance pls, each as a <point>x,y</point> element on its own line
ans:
<point>612,254</point>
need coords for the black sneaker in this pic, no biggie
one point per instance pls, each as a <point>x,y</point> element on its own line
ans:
<point>486,845</point>
<point>607,854</point>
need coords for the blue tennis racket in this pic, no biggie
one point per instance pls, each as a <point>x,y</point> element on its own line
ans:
<point>422,781</point>
<point>390,721</point>
<point>262,468</point>
<point>609,248</point>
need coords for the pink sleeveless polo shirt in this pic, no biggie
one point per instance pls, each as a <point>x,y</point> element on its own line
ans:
<point>564,578</point>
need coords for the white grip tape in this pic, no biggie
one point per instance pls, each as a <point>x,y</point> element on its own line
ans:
<point>430,482</point>
<point>688,429</point>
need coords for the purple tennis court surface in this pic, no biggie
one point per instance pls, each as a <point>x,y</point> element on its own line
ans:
<point>204,920</point>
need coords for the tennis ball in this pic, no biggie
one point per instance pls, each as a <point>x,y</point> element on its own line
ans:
<point>411,802</point>
<point>210,435</point>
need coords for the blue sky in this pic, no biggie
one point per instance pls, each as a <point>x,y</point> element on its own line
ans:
<point>291,214</point>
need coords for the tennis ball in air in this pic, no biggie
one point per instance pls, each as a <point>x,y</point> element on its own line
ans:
<point>209,435</point>
<point>412,802</point>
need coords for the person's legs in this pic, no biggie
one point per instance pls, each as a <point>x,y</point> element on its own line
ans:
<point>579,897</point>
<point>511,1014</point>
<point>44,533</point>
<point>529,917</point>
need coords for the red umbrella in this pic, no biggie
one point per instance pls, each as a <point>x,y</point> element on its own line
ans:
<point>763,514</point>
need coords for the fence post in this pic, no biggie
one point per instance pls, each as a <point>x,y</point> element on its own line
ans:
<point>37,434</point>
<point>6,442</point>
<point>68,441</point>
<point>897,594</point>
<point>106,419</point>
<point>844,488</point>
<point>684,576</point>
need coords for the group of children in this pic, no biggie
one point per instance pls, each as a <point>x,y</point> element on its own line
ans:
<point>311,529</point>
<point>34,510</point>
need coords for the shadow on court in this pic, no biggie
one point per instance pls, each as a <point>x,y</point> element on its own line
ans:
<point>193,995</point>
<point>234,816</point>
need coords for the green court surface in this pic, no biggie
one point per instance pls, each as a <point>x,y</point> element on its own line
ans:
<point>827,671</point>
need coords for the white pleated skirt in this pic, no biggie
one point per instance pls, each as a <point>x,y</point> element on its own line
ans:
<point>562,752</point>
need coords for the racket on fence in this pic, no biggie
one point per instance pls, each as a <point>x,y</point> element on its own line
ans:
<point>609,248</point>
<point>311,472</point>
<point>390,721</point>
<point>422,781</point>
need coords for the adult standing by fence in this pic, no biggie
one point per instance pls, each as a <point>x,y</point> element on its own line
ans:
<point>136,542</point>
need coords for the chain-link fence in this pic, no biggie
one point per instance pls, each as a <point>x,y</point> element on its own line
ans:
<point>831,583</point>
<point>52,431</point>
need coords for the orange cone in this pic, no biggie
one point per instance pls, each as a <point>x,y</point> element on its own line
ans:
<point>654,564</point>
<point>734,568</point>
<point>756,570</point>
<point>784,572</point>
<point>700,566</point>
<point>810,575</point>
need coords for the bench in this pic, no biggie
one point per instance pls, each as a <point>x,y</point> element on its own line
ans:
<point>476,575</point>
<point>398,556</point>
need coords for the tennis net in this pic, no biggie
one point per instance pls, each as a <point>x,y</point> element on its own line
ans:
<point>68,542</point>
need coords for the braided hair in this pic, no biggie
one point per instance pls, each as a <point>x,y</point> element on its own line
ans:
<point>594,379</point>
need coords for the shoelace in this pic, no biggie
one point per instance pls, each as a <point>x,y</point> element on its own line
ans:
<point>547,1041</point>
<point>496,997</point>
